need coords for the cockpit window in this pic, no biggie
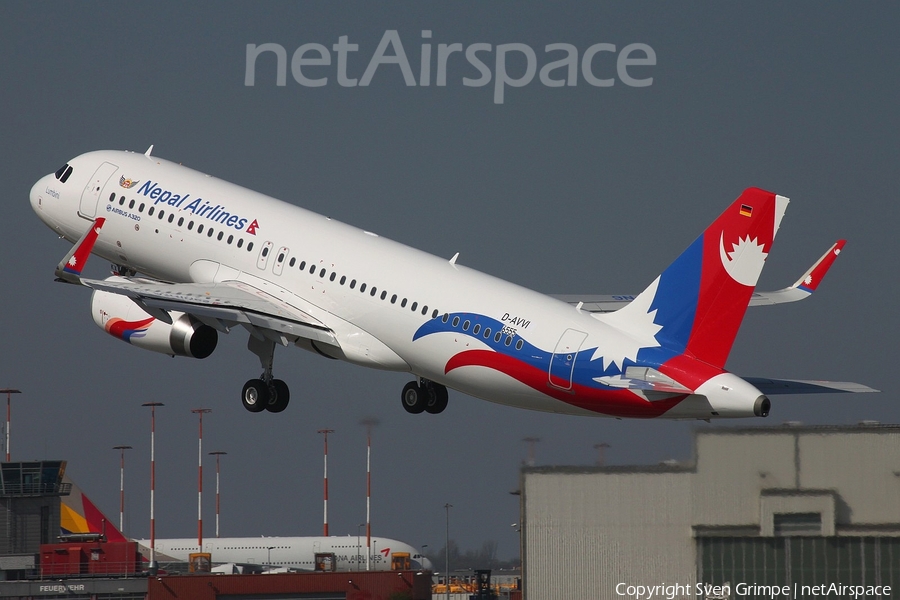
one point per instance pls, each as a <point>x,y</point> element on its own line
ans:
<point>63,173</point>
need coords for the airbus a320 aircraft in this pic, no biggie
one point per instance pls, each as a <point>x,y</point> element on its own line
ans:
<point>195,256</point>
<point>299,553</point>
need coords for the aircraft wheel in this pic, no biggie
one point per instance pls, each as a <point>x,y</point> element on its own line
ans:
<point>413,398</point>
<point>279,397</point>
<point>437,397</point>
<point>255,396</point>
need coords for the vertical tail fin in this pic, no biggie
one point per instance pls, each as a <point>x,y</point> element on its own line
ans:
<point>701,298</point>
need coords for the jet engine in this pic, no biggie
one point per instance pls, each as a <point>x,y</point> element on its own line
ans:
<point>120,317</point>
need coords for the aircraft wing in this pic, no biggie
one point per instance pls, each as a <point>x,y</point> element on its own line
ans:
<point>219,305</point>
<point>802,289</point>
<point>799,386</point>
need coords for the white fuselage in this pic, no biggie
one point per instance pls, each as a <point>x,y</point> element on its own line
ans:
<point>265,242</point>
<point>294,552</point>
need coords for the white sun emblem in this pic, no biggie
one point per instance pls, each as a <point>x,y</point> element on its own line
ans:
<point>745,261</point>
<point>808,280</point>
<point>73,261</point>
<point>635,330</point>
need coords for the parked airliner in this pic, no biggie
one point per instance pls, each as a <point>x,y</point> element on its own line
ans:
<point>195,256</point>
<point>300,553</point>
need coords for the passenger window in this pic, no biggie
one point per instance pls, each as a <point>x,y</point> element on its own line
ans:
<point>519,345</point>
<point>171,217</point>
<point>445,318</point>
<point>312,269</point>
<point>343,279</point>
<point>190,225</point>
<point>181,222</point>
<point>476,329</point>
<point>281,257</point>
<point>141,207</point>
<point>200,228</point>
<point>265,252</point>
<point>293,261</point>
<point>333,275</point>
<point>112,197</point>
<point>352,283</point>
<point>424,310</point>
<point>322,273</point>
<point>161,214</point>
<point>383,295</point>
<point>230,239</point>
<point>373,291</point>
<point>414,306</point>
<point>455,321</point>
<point>122,201</point>
<point>466,324</point>
<point>250,247</point>
<point>508,340</point>
<point>487,332</point>
<point>403,303</point>
<point>362,288</point>
<point>210,232</point>
<point>394,299</point>
<point>498,336</point>
<point>131,204</point>
<point>240,242</point>
<point>434,314</point>
<point>220,236</point>
<point>151,211</point>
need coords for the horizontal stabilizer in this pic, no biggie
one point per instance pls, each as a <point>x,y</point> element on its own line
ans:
<point>799,386</point>
<point>644,378</point>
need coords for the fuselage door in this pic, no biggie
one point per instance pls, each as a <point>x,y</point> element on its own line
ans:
<point>279,260</point>
<point>90,197</point>
<point>562,363</point>
<point>264,253</point>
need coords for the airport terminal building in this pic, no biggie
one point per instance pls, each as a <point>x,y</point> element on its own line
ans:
<point>765,506</point>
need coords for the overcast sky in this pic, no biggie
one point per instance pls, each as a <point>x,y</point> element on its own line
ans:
<point>573,189</point>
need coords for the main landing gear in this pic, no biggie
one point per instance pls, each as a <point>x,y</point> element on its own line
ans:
<point>265,393</point>
<point>424,396</point>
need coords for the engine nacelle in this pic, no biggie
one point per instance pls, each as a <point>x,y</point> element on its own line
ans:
<point>120,317</point>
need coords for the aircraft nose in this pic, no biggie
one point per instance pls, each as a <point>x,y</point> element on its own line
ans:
<point>41,193</point>
<point>35,195</point>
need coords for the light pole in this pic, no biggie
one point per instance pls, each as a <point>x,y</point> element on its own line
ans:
<point>600,448</point>
<point>200,412</point>
<point>358,547</point>
<point>447,507</point>
<point>9,392</point>
<point>122,450</point>
<point>217,454</point>
<point>369,422</point>
<point>531,441</point>
<point>325,432</point>
<point>153,567</point>
<point>269,555</point>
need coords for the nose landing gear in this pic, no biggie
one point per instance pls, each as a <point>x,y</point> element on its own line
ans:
<point>424,396</point>
<point>265,393</point>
